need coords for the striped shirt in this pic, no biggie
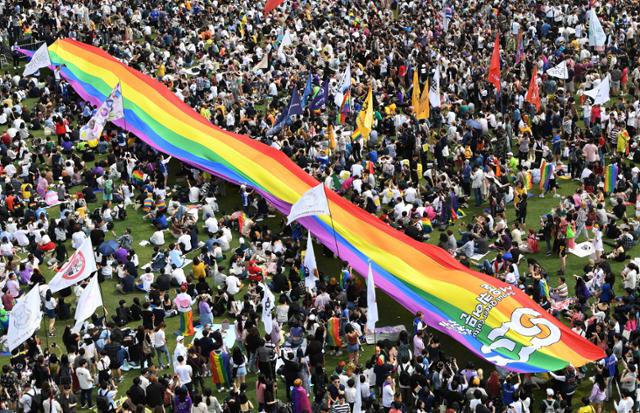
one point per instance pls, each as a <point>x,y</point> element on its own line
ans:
<point>340,408</point>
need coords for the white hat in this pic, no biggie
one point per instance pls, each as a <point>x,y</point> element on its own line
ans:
<point>549,392</point>
<point>179,338</point>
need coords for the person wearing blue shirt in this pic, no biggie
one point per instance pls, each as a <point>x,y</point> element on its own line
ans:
<point>508,390</point>
<point>160,221</point>
<point>606,294</point>
<point>175,256</point>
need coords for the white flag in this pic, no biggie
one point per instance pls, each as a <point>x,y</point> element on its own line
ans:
<point>310,264</point>
<point>286,41</point>
<point>372,304</point>
<point>111,109</point>
<point>80,265</point>
<point>345,84</point>
<point>434,90</point>
<point>39,60</point>
<point>268,303</point>
<point>312,202</point>
<point>263,64</point>
<point>600,93</point>
<point>357,404</point>
<point>25,318</point>
<point>597,37</point>
<point>88,303</point>
<point>560,71</point>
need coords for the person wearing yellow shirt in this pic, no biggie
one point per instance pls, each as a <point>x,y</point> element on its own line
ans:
<point>622,142</point>
<point>199,269</point>
<point>205,112</point>
<point>26,189</point>
<point>390,110</point>
<point>586,406</point>
<point>161,71</point>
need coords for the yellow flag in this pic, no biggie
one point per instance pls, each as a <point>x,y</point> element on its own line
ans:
<point>423,111</point>
<point>415,93</point>
<point>364,121</point>
<point>332,137</point>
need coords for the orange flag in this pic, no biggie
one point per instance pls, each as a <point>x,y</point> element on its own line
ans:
<point>533,94</point>
<point>494,66</point>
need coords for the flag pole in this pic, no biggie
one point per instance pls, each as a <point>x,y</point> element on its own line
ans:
<point>335,238</point>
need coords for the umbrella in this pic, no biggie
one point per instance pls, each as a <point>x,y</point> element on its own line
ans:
<point>474,124</point>
<point>108,247</point>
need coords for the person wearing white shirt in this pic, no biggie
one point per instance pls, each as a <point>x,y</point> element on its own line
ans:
<point>85,380</point>
<point>78,238</point>
<point>625,405</point>
<point>184,372</point>
<point>177,275</point>
<point>211,224</point>
<point>356,169</point>
<point>233,284</point>
<point>388,391</point>
<point>185,240</point>
<point>180,350</point>
<point>410,195</point>
<point>157,238</point>
<point>146,280</point>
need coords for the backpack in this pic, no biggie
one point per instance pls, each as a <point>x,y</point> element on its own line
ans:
<point>102,402</point>
<point>549,406</point>
<point>36,402</point>
<point>405,378</point>
<point>571,383</point>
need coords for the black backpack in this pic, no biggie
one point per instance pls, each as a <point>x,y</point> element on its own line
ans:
<point>102,402</point>
<point>36,403</point>
<point>405,377</point>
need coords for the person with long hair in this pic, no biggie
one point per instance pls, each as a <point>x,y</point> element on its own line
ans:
<point>239,366</point>
<point>50,304</point>
<point>598,393</point>
<point>182,401</point>
<point>213,405</point>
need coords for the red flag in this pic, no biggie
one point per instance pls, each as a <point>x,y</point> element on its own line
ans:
<point>271,4</point>
<point>494,66</point>
<point>533,94</point>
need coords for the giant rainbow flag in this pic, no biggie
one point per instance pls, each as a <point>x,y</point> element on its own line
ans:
<point>494,320</point>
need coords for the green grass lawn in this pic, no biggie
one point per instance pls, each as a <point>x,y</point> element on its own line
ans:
<point>390,312</point>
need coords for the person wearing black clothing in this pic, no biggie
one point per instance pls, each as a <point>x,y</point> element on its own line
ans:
<point>620,209</point>
<point>135,310</point>
<point>147,316</point>
<point>197,363</point>
<point>123,314</point>
<point>155,393</point>
<point>206,344</point>
<point>315,350</point>
<point>163,282</point>
<point>279,283</point>
<point>291,371</point>
<point>265,355</point>
<point>136,393</point>
<point>41,373</point>
<point>68,400</point>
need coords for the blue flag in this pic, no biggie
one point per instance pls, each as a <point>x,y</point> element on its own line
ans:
<point>308,89</point>
<point>321,98</point>
<point>295,105</point>
<point>293,108</point>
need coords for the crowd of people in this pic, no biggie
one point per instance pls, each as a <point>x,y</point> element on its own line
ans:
<point>478,151</point>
